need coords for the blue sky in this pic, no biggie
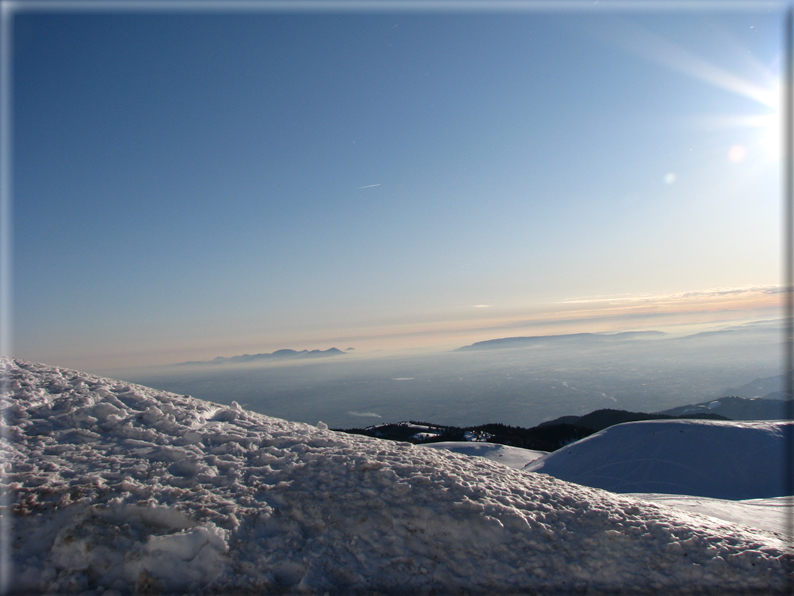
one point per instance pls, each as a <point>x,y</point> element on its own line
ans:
<point>191,185</point>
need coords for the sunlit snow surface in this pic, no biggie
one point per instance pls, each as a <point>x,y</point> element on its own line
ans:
<point>771,514</point>
<point>514,457</point>
<point>767,514</point>
<point>118,488</point>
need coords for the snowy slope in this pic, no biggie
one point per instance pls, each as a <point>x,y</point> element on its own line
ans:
<point>768,514</point>
<point>707,458</point>
<point>513,457</point>
<point>117,488</point>
<point>772,407</point>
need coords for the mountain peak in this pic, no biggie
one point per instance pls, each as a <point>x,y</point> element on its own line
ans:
<point>283,354</point>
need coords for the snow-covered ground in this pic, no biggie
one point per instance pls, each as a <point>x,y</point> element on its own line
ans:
<point>732,471</point>
<point>118,488</point>
<point>767,514</point>
<point>513,457</point>
<point>707,458</point>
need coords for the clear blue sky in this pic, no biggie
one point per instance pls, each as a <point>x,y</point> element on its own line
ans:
<point>191,185</point>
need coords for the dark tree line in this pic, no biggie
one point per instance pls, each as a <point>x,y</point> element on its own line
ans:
<point>548,436</point>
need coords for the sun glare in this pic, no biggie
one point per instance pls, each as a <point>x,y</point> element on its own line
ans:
<point>771,140</point>
<point>764,139</point>
<point>766,123</point>
<point>765,92</point>
<point>770,124</point>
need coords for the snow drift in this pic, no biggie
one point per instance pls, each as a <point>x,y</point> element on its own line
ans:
<point>513,457</point>
<point>117,488</point>
<point>707,458</point>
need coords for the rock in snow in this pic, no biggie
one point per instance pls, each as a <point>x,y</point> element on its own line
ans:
<point>116,488</point>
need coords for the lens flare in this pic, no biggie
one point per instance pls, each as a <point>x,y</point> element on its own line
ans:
<point>737,153</point>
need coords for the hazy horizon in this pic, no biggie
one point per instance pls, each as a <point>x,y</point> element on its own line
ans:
<point>226,360</point>
<point>519,386</point>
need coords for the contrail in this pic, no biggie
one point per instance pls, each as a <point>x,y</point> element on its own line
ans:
<point>368,186</point>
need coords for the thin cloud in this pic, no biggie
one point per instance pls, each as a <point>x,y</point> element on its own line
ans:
<point>368,186</point>
<point>678,296</point>
<point>482,305</point>
<point>365,414</point>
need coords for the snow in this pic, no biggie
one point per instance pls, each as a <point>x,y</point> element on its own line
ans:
<point>424,436</point>
<point>767,514</point>
<point>513,457</point>
<point>707,458</point>
<point>117,489</point>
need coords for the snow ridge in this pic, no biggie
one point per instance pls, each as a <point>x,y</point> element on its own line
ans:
<point>117,488</point>
<point>708,458</point>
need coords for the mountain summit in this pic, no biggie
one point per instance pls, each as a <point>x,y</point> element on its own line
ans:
<point>285,354</point>
<point>540,340</point>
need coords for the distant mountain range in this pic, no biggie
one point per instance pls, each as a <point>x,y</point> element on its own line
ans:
<point>601,419</point>
<point>760,329</point>
<point>593,338</point>
<point>734,407</point>
<point>762,387</point>
<point>548,436</point>
<point>277,355</point>
<point>557,433</point>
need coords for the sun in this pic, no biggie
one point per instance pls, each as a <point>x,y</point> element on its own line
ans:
<point>771,136</point>
<point>764,120</point>
<point>769,124</point>
<point>762,138</point>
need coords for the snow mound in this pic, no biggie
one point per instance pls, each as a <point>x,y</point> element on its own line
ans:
<point>116,489</point>
<point>513,457</point>
<point>706,458</point>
